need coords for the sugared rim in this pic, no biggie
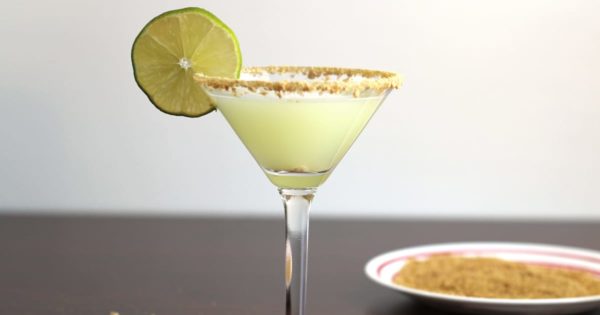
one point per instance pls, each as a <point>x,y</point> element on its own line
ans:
<point>329,80</point>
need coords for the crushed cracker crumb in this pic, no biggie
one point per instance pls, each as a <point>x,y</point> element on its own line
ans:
<point>320,79</point>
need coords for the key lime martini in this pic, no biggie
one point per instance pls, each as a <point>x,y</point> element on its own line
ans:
<point>297,122</point>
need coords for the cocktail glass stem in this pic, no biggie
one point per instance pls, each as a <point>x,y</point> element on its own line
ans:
<point>296,204</point>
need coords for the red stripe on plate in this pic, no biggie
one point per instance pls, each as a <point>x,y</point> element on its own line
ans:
<point>488,251</point>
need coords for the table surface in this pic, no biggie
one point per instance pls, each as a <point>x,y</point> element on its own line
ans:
<point>173,266</point>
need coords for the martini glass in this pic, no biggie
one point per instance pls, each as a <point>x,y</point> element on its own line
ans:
<point>298,123</point>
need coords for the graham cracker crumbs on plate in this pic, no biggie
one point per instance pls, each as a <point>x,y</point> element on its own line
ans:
<point>496,278</point>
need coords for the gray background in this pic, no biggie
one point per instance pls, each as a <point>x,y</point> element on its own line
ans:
<point>499,115</point>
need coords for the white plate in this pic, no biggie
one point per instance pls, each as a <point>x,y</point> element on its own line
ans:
<point>382,268</point>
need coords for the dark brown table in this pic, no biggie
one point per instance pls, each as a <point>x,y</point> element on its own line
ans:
<point>194,266</point>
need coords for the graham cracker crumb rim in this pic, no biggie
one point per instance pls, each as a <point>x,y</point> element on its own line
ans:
<point>372,80</point>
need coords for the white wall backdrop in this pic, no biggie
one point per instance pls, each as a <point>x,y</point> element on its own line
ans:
<point>499,115</point>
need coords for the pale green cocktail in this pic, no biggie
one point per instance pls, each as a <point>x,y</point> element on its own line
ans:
<point>297,141</point>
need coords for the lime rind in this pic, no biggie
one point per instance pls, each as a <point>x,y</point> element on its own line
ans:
<point>212,18</point>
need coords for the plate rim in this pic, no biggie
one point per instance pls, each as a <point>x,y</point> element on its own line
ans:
<point>372,265</point>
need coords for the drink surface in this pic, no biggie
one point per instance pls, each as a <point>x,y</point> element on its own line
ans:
<point>297,141</point>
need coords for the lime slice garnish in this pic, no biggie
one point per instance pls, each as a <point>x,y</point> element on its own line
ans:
<point>175,45</point>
